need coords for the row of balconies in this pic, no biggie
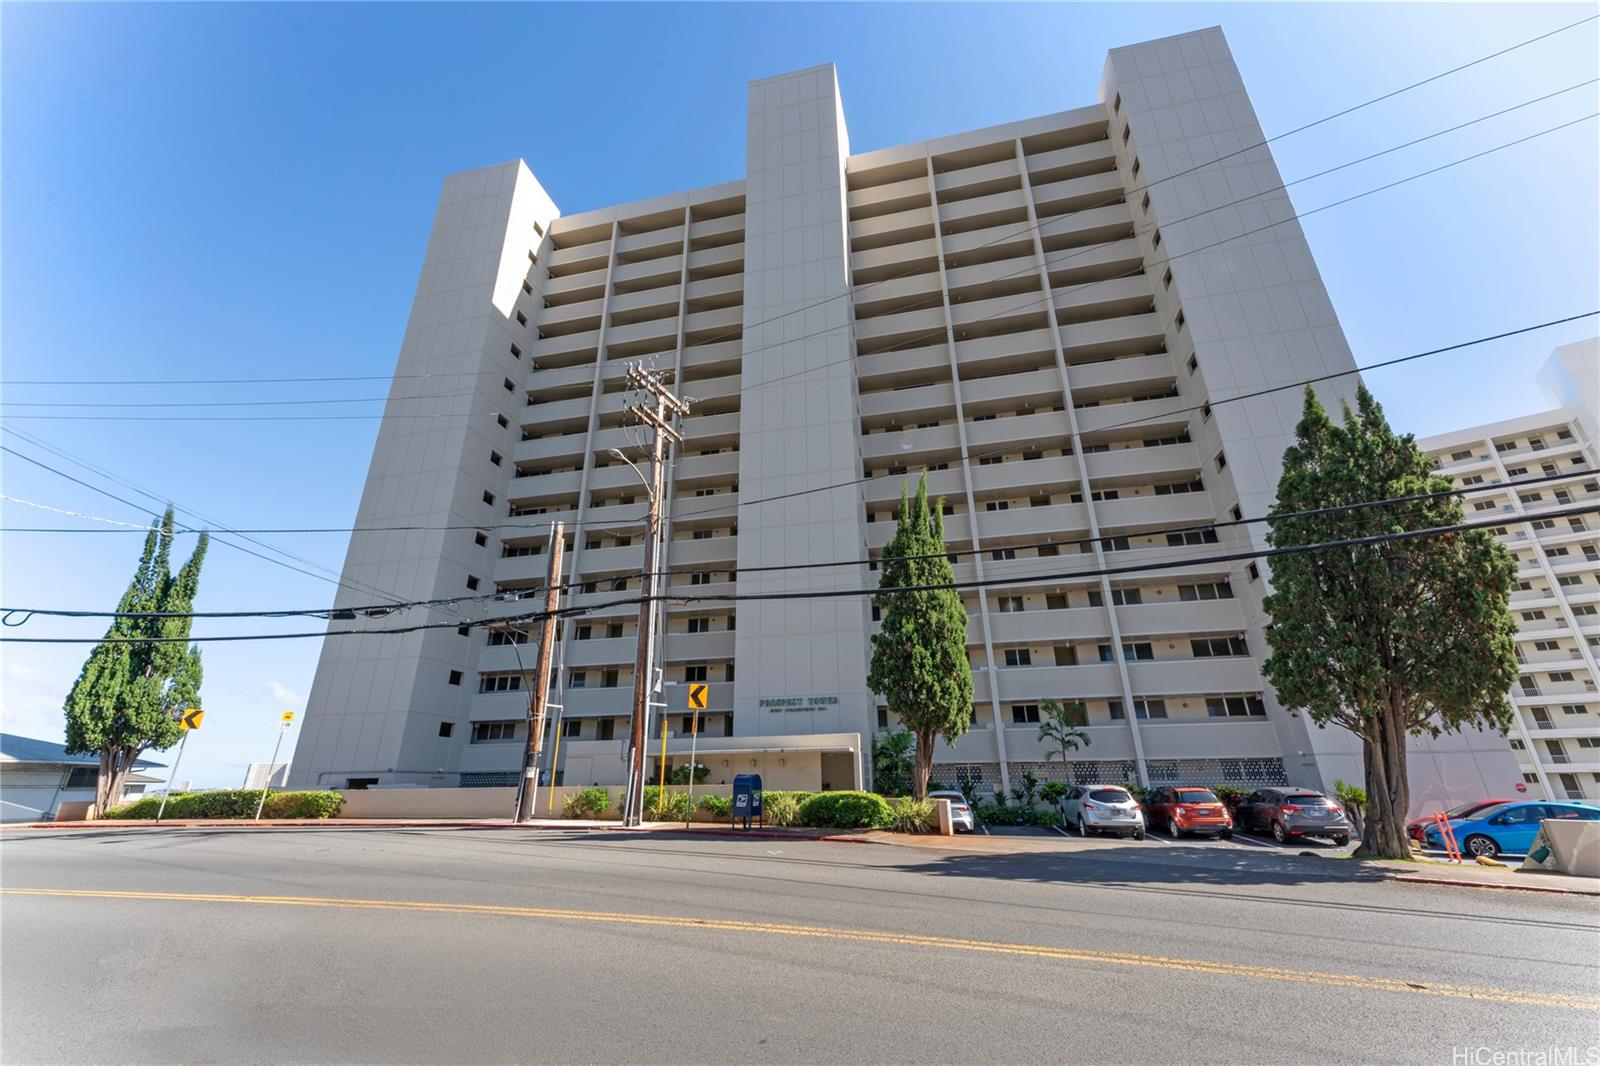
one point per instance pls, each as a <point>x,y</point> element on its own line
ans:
<point>1065,520</point>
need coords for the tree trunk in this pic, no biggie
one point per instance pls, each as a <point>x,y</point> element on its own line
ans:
<point>923,764</point>
<point>115,765</point>
<point>1388,791</point>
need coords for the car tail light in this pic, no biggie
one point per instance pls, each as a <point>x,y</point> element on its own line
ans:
<point>1289,808</point>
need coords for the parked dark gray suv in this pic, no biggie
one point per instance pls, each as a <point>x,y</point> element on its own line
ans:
<point>1294,812</point>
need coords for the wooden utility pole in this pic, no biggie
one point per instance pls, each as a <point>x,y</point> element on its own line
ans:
<point>655,411</point>
<point>528,784</point>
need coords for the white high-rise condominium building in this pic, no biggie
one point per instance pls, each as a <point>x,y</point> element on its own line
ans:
<point>1064,320</point>
<point>1557,603</point>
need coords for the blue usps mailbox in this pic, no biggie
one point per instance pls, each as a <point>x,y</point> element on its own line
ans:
<point>747,799</point>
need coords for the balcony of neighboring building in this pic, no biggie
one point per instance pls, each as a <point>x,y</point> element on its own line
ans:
<point>1124,464</point>
<point>568,350</point>
<point>1111,298</point>
<point>1039,387</point>
<point>912,365</point>
<point>914,403</point>
<point>716,262</point>
<point>1067,195</point>
<point>1071,162</point>
<point>988,212</point>
<point>575,288</point>
<point>885,447</point>
<point>1137,334</point>
<point>897,228</point>
<point>1118,257</point>
<point>1080,229</point>
<point>647,275</point>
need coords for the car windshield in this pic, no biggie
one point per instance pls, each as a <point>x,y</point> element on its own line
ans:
<point>1462,808</point>
<point>1110,795</point>
<point>1196,795</point>
<point>1489,812</point>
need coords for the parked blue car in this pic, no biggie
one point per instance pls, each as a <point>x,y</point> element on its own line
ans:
<point>1508,828</point>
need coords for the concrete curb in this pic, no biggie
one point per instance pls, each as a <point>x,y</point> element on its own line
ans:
<point>334,823</point>
<point>1453,882</point>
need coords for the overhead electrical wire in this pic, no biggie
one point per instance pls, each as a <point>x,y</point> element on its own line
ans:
<point>1351,109</point>
<point>981,583</point>
<point>378,610</point>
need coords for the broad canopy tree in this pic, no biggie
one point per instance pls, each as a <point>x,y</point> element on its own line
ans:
<point>919,656</point>
<point>132,688</point>
<point>1389,640</point>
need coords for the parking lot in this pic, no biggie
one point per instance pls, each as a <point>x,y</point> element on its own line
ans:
<point>1156,841</point>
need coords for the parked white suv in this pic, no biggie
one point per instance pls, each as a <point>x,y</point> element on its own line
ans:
<point>1102,809</point>
<point>960,810</point>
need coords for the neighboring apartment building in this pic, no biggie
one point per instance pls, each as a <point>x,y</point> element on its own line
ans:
<point>266,775</point>
<point>1051,299</point>
<point>1557,734</point>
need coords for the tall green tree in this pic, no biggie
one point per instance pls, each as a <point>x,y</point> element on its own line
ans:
<point>1061,728</point>
<point>892,758</point>
<point>919,656</point>
<point>1390,640</point>
<point>132,688</point>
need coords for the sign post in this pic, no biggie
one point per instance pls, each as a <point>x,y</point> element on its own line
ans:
<point>189,721</point>
<point>697,703</point>
<point>283,727</point>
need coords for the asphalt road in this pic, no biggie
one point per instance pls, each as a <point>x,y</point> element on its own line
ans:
<point>494,946</point>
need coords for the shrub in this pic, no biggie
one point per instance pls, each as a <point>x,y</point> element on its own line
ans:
<point>1052,791</point>
<point>673,807</point>
<point>1044,819</point>
<point>716,806</point>
<point>846,810</point>
<point>590,802</point>
<point>782,808</point>
<point>910,815</point>
<point>233,803</point>
<point>1138,792</point>
<point>994,814</point>
<point>1230,795</point>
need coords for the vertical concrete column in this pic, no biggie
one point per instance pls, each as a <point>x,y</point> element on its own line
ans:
<point>798,423</point>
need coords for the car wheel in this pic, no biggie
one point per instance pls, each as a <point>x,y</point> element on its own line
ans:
<point>1172,827</point>
<point>1138,834</point>
<point>1083,830</point>
<point>1226,834</point>
<point>1480,845</point>
<point>1279,833</point>
<point>1341,840</point>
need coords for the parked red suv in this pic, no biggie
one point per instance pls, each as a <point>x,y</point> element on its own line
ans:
<point>1416,827</point>
<point>1182,810</point>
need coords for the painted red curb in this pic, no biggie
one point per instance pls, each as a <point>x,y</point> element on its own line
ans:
<point>1416,879</point>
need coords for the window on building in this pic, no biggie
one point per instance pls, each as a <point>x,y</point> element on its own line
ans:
<point>1216,647</point>
<point>1220,590</point>
<point>493,732</point>
<point>695,672</point>
<point>455,677</point>
<point>499,682</point>
<point>1018,657</point>
<point>1024,713</point>
<point>1235,707</point>
<point>572,727</point>
<point>1193,536</point>
<point>579,679</point>
<point>1008,604</point>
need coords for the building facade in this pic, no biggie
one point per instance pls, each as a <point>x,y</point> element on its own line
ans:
<point>1556,737</point>
<point>1068,322</point>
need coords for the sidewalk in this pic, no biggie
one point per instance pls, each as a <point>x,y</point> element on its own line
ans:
<point>547,824</point>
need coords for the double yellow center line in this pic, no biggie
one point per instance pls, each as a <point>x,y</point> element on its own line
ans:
<point>1363,982</point>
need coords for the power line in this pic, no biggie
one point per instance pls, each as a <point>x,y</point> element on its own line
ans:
<point>798,310</point>
<point>380,610</point>
<point>982,583</point>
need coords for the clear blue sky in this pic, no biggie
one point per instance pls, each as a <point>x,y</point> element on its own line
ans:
<point>231,190</point>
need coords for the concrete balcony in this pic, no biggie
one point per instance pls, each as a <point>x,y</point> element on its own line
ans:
<point>1070,162</point>
<point>1001,209</point>
<point>726,259</point>
<point>648,274</point>
<point>898,194</point>
<point>716,353</point>
<point>886,490</point>
<point>1181,618</point>
<point>1094,226</point>
<point>728,229</point>
<point>585,285</point>
<point>970,180</point>
<point>570,318</point>
<point>1190,677</point>
<point>1056,522</point>
<point>981,353</point>
<point>876,371</point>
<point>567,377</point>
<point>1012,269</point>
<point>1129,335</point>
<point>715,646</point>
<point>1024,475</point>
<point>576,348</point>
<point>539,487</point>
<point>905,327</point>
<point>979,316</point>
<point>559,448</point>
<point>918,290</point>
<point>1018,430</point>
<point>1130,374</point>
<point>721,289</point>
<point>564,259</point>
<point>1136,464</point>
<point>725,322</point>
<point>1056,627</point>
<point>895,405</point>
<point>1143,512</point>
<point>711,553</point>
<point>625,517</point>
<point>1146,415</point>
<point>654,303</point>
<point>711,427</point>
<point>1032,683</point>
<point>662,330</point>
<point>1112,298</point>
<point>610,652</point>
<point>557,411</point>
<point>957,530</point>
<point>875,261</point>
<point>908,442</point>
<point>596,702</point>
<point>1108,259</point>
<point>663,241</point>
<point>617,560</point>
<point>1037,387</point>
<point>699,470</point>
<point>1077,194</point>
<point>898,227</point>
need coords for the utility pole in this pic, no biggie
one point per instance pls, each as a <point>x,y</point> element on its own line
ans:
<point>656,410</point>
<point>528,784</point>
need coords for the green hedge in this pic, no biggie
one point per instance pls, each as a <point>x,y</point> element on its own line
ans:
<point>591,802</point>
<point>716,806</point>
<point>783,808</point>
<point>910,815</point>
<point>233,803</point>
<point>674,808</point>
<point>846,810</point>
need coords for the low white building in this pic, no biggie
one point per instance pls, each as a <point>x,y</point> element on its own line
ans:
<point>37,777</point>
<point>266,775</point>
